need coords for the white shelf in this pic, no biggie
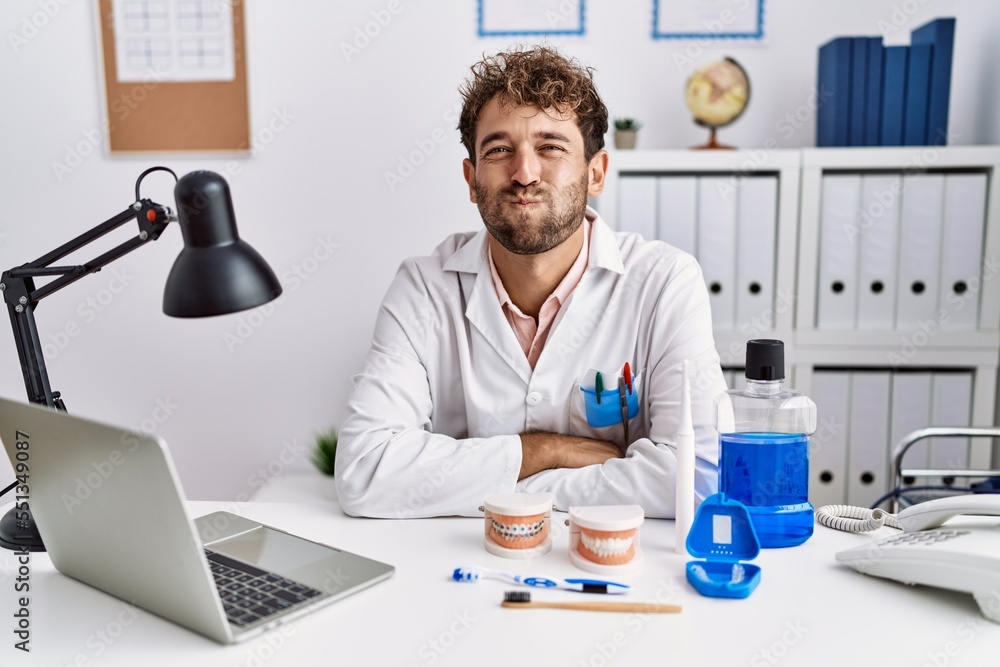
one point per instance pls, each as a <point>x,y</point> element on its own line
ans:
<point>800,173</point>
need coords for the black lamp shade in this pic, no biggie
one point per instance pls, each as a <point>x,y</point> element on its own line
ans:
<point>216,272</point>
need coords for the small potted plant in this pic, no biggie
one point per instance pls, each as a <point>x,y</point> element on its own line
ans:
<point>626,130</point>
<point>325,453</point>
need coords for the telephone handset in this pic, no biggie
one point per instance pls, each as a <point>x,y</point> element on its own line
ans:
<point>962,557</point>
<point>934,513</point>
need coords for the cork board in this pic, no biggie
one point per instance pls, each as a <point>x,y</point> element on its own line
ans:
<point>160,115</point>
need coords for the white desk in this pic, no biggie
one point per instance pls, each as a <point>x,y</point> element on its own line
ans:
<point>807,610</point>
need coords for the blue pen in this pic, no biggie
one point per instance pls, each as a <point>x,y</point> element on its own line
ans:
<point>623,397</point>
<point>581,585</point>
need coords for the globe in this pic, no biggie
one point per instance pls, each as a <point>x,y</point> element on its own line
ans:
<point>716,94</point>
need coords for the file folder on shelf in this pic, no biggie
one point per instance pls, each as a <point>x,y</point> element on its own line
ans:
<point>878,235</point>
<point>962,250</point>
<point>896,62</point>
<point>918,76</point>
<point>919,250</point>
<point>756,236</point>
<point>868,448</point>
<point>951,406</point>
<point>839,230</point>
<point>677,219</point>
<point>637,205</point>
<point>717,247</point>
<point>828,446</point>
<point>859,91</point>
<point>834,77</point>
<point>911,410</point>
<point>873,91</point>
<point>940,34</point>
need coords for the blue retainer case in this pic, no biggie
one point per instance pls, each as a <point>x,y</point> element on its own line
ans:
<point>723,535</point>
<point>609,411</point>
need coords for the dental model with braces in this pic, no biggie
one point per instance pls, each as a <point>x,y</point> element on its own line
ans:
<point>516,532</point>
<point>517,524</point>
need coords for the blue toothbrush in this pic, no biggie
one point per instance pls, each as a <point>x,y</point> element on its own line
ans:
<point>470,574</point>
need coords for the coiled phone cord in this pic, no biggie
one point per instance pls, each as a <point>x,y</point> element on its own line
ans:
<point>855,519</point>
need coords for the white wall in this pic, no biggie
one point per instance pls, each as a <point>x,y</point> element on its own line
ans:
<point>320,180</point>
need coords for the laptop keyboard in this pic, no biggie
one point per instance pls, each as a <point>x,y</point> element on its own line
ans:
<point>250,594</point>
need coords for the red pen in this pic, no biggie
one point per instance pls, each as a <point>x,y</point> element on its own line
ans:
<point>627,372</point>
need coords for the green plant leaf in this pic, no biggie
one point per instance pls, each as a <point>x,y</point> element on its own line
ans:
<point>324,454</point>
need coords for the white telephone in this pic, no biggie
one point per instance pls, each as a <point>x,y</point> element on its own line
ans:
<point>964,557</point>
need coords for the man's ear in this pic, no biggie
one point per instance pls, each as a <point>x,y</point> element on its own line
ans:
<point>469,170</point>
<point>597,170</point>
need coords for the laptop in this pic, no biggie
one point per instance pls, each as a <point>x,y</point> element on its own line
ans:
<point>109,507</point>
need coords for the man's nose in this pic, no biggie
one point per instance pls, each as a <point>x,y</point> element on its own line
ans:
<point>526,169</point>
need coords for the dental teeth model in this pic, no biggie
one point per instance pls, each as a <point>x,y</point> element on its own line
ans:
<point>605,539</point>
<point>517,524</point>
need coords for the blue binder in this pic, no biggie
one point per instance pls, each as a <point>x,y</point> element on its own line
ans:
<point>940,34</point>
<point>918,79</point>
<point>859,90</point>
<point>834,79</point>
<point>873,91</point>
<point>896,61</point>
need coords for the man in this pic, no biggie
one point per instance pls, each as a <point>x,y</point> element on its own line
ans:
<point>473,382</point>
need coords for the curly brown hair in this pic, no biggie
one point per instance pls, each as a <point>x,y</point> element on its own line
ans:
<point>540,78</point>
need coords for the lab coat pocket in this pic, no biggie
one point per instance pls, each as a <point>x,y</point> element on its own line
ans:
<point>602,419</point>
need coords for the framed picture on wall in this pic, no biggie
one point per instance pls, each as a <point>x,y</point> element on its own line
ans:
<point>708,19</point>
<point>530,17</point>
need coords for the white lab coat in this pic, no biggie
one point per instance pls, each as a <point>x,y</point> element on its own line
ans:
<point>434,417</point>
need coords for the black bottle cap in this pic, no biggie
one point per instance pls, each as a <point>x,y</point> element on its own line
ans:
<point>765,359</point>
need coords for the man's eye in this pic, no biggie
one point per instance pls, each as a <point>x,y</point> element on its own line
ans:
<point>553,148</point>
<point>496,149</point>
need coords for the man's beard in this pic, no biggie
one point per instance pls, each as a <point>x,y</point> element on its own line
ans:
<point>518,231</point>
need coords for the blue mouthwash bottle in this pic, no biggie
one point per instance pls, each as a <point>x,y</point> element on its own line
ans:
<point>764,443</point>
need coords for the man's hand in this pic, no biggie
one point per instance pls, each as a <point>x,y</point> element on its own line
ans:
<point>542,451</point>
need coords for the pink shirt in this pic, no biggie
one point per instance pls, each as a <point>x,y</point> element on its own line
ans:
<point>531,334</point>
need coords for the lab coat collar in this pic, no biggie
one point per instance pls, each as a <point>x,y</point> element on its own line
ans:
<point>483,309</point>
<point>605,253</point>
<point>604,250</point>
